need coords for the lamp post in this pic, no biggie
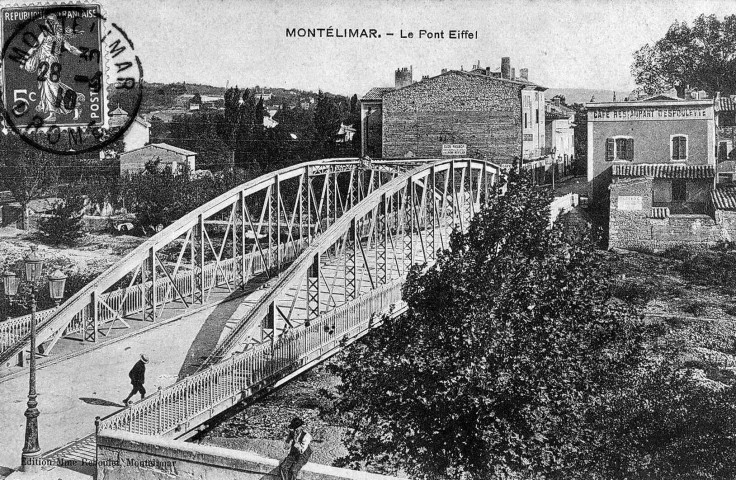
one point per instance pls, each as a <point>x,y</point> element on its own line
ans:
<point>33,264</point>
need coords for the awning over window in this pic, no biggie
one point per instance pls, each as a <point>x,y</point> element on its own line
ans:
<point>663,170</point>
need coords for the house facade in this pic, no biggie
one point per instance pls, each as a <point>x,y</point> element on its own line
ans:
<point>653,164</point>
<point>138,133</point>
<point>371,122</point>
<point>560,133</point>
<point>495,116</point>
<point>176,158</point>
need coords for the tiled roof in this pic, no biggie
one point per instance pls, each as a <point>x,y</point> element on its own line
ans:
<point>517,80</point>
<point>724,197</point>
<point>727,104</point>
<point>118,111</point>
<point>166,146</point>
<point>376,93</point>
<point>663,170</point>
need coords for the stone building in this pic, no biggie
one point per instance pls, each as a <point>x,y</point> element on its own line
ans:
<point>478,114</point>
<point>653,164</point>
<point>167,155</point>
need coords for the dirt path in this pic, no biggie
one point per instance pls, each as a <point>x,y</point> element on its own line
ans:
<point>93,253</point>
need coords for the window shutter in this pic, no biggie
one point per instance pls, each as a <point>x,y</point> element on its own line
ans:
<point>630,149</point>
<point>675,148</point>
<point>610,145</point>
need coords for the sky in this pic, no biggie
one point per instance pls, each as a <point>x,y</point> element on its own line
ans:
<point>564,44</point>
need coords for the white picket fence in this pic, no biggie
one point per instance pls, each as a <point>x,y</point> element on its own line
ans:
<point>173,407</point>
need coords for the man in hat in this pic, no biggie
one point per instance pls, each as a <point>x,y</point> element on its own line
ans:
<point>298,443</point>
<point>138,378</point>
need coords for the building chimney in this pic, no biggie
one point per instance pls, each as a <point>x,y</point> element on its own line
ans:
<point>513,73</point>
<point>424,77</point>
<point>488,71</point>
<point>444,70</point>
<point>524,73</point>
<point>556,100</point>
<point>506,67</point>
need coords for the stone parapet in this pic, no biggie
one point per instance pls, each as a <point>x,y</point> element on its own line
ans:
<point>124,455</point>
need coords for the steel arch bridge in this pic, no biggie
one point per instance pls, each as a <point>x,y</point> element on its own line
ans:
<point>326,245</point>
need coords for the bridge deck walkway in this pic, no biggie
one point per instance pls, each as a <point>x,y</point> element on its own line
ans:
<point>73,391</point>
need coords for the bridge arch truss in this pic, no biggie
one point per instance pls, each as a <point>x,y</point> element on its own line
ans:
<point>338,285</point>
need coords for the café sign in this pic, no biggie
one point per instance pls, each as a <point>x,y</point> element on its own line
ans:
<point>627,114</point>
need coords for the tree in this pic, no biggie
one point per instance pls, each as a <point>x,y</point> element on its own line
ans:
<point>65,224</point>
<point>327,118</point>
<point>354,103</point>
<point>508,342</point>
<point>702,57</point>
<point>26,172</point>
<point>259,112</point>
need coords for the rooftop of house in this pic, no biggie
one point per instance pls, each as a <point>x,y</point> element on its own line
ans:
<point>558,109</point>
<point>727,103</point>
<point>724,197</point>
<point>163,146</point>
<point>659,100</point>
<point>376,93</point>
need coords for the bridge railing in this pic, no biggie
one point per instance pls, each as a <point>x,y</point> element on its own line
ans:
<point>174,407</point>
<point>127,301</point>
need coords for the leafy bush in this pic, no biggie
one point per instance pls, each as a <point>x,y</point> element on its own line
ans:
<point>634,293</point>
<point>508,340</point>
<point>710,268</point>
<point>695,308</point>
<point>724,246</point>
<point>678,252</point>
<point>645,249</point>
<point>665,424</point>
<point>65,224</point>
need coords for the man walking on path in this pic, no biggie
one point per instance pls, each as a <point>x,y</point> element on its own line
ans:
<point>297,442</point>
<point>138,378</point>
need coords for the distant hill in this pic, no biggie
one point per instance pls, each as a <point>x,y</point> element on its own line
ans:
<point>161,96</point>
<point>583,95</point>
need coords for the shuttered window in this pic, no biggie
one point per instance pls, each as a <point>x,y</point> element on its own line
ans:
<point>610,154</point>
<point>679,147</point>
<point>624,149</point>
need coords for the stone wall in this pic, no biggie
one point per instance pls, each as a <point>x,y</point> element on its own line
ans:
<point>633,227</point>
<point>454,108</point>
<point>90,223</point>
<point>123,456</point>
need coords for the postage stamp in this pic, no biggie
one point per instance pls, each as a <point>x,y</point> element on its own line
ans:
<point>57,84</point>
